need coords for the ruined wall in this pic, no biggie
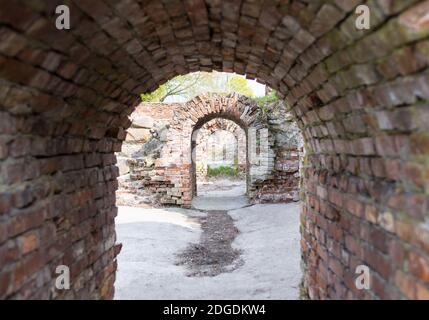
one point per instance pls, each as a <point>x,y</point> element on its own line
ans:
<point>283,183</point>
<point>148,174</point>
<point>156,158</point>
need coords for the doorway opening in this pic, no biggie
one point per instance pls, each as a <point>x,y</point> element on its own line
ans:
<point>220,164</point>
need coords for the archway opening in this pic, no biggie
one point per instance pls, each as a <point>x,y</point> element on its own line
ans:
<point>220,161</point>
<point>209,164</point>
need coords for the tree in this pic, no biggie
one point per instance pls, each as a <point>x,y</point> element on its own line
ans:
<point>193,84</point>
<point>239,84</point>
<point>178,86</point>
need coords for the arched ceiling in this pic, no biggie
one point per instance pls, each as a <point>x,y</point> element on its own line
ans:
<point>117,49</point>
<point>132,46</point>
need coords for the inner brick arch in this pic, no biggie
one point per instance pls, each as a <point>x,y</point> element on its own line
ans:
<point>360,98</point>
<point>207,131</point>
<point>198,138</point>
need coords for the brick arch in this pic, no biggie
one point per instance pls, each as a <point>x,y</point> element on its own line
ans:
<point>218,124</point>
<point>241,110</point>
<point>360,98</point>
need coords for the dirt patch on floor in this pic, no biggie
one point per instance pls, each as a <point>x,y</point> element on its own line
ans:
<point>214,253</point>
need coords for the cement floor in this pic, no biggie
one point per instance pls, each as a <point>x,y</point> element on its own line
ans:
<point>152,239</point>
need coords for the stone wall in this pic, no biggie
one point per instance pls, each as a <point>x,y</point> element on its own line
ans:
<point>146,173</point>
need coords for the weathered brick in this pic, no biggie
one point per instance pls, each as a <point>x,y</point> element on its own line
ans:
<point>419,266</point>
<point>28,242</point>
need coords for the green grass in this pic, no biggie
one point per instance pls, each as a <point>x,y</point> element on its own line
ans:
<point>222,171</point>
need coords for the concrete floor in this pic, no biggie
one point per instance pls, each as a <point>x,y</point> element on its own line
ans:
<point>222,187</point>
<point>232,194</point>
<point>152,238</point>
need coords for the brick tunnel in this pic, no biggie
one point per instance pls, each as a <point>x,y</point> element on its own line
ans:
<point>360,98</point>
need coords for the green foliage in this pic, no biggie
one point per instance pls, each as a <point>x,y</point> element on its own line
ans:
<point>236,162</point>
<point>188,86</point>
<point>222,171</point>
<point>155,96</point>
<point>263,101</point>
<point>239,84</point>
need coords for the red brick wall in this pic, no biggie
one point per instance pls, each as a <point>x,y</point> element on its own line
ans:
<point>360,98</point>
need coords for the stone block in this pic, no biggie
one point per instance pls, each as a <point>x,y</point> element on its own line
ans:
<point>138,135</point>
<point>142,121</point>
<point>123,166</point>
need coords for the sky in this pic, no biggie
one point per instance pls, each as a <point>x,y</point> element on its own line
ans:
<point>258,89</point>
